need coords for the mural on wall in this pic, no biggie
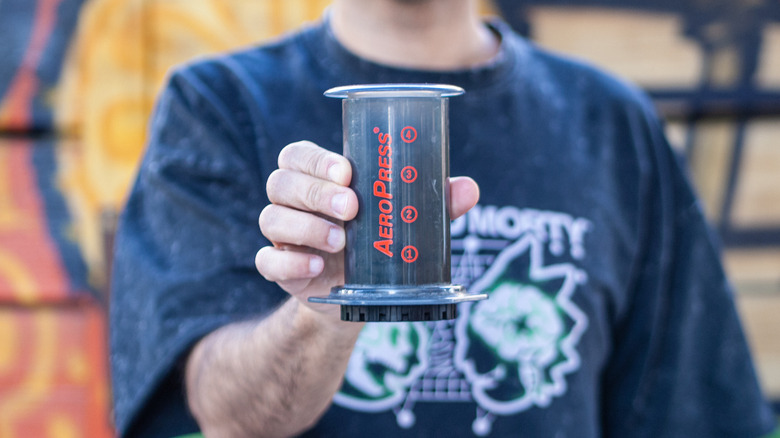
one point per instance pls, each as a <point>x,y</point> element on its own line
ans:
<point>717,77</point>
<point>78,82</point>
<point>35,37</point>
<point>52,324</point>
<point>118,61</point>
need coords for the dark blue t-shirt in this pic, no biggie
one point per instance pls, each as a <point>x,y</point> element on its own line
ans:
<point>609,312</point>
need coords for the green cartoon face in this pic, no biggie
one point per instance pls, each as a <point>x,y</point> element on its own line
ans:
<point>387,358</point>
<point>520,324</point>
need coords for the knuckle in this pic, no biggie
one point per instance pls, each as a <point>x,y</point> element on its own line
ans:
<point>317,162</point>
<point>307,157</point>
<point>311,236</point>
<point>293,153</point>
<point>313,197</point>
<point>281,266</point>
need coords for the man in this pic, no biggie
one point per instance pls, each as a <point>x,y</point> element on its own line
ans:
<point>609,314</point>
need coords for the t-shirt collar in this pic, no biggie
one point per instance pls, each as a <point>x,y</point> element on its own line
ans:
<point>348,68</point>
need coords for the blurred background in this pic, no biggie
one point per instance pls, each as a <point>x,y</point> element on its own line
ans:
<point>78,80</point>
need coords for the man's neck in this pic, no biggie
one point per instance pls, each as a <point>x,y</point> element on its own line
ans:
<point>421,34</point>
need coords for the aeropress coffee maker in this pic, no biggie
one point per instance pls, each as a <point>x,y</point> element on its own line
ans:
<point>397,254</point>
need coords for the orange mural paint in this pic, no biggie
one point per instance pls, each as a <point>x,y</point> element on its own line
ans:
<point>56,383</point>
<point>31,268</point>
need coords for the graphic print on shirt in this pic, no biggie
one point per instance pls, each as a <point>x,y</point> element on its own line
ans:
<point>506,354</point>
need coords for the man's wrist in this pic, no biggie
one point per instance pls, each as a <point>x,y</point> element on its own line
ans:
<point>307,318</point>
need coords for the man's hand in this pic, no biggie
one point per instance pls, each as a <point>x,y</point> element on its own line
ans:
<point>310,199</point>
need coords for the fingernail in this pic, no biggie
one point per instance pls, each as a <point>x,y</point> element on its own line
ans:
<point>339,204</point>
<point>335,238</point>
<point>315,265</point>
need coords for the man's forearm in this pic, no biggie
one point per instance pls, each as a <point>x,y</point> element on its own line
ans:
<point>273,377</point>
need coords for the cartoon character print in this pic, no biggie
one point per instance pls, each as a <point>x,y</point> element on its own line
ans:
<point>506,354</point>
<point>387,359</point>
<point>517,347</point>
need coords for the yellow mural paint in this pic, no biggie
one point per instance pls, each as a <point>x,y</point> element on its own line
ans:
<point>76,367</point>
<point>61,426</point>
<point>18,276</point>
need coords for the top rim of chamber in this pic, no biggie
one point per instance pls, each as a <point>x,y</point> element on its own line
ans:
<point>394,90</point>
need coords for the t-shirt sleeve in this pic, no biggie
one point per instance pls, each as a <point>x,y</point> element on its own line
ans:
<point>680,364</point>
<point>185,246</point>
